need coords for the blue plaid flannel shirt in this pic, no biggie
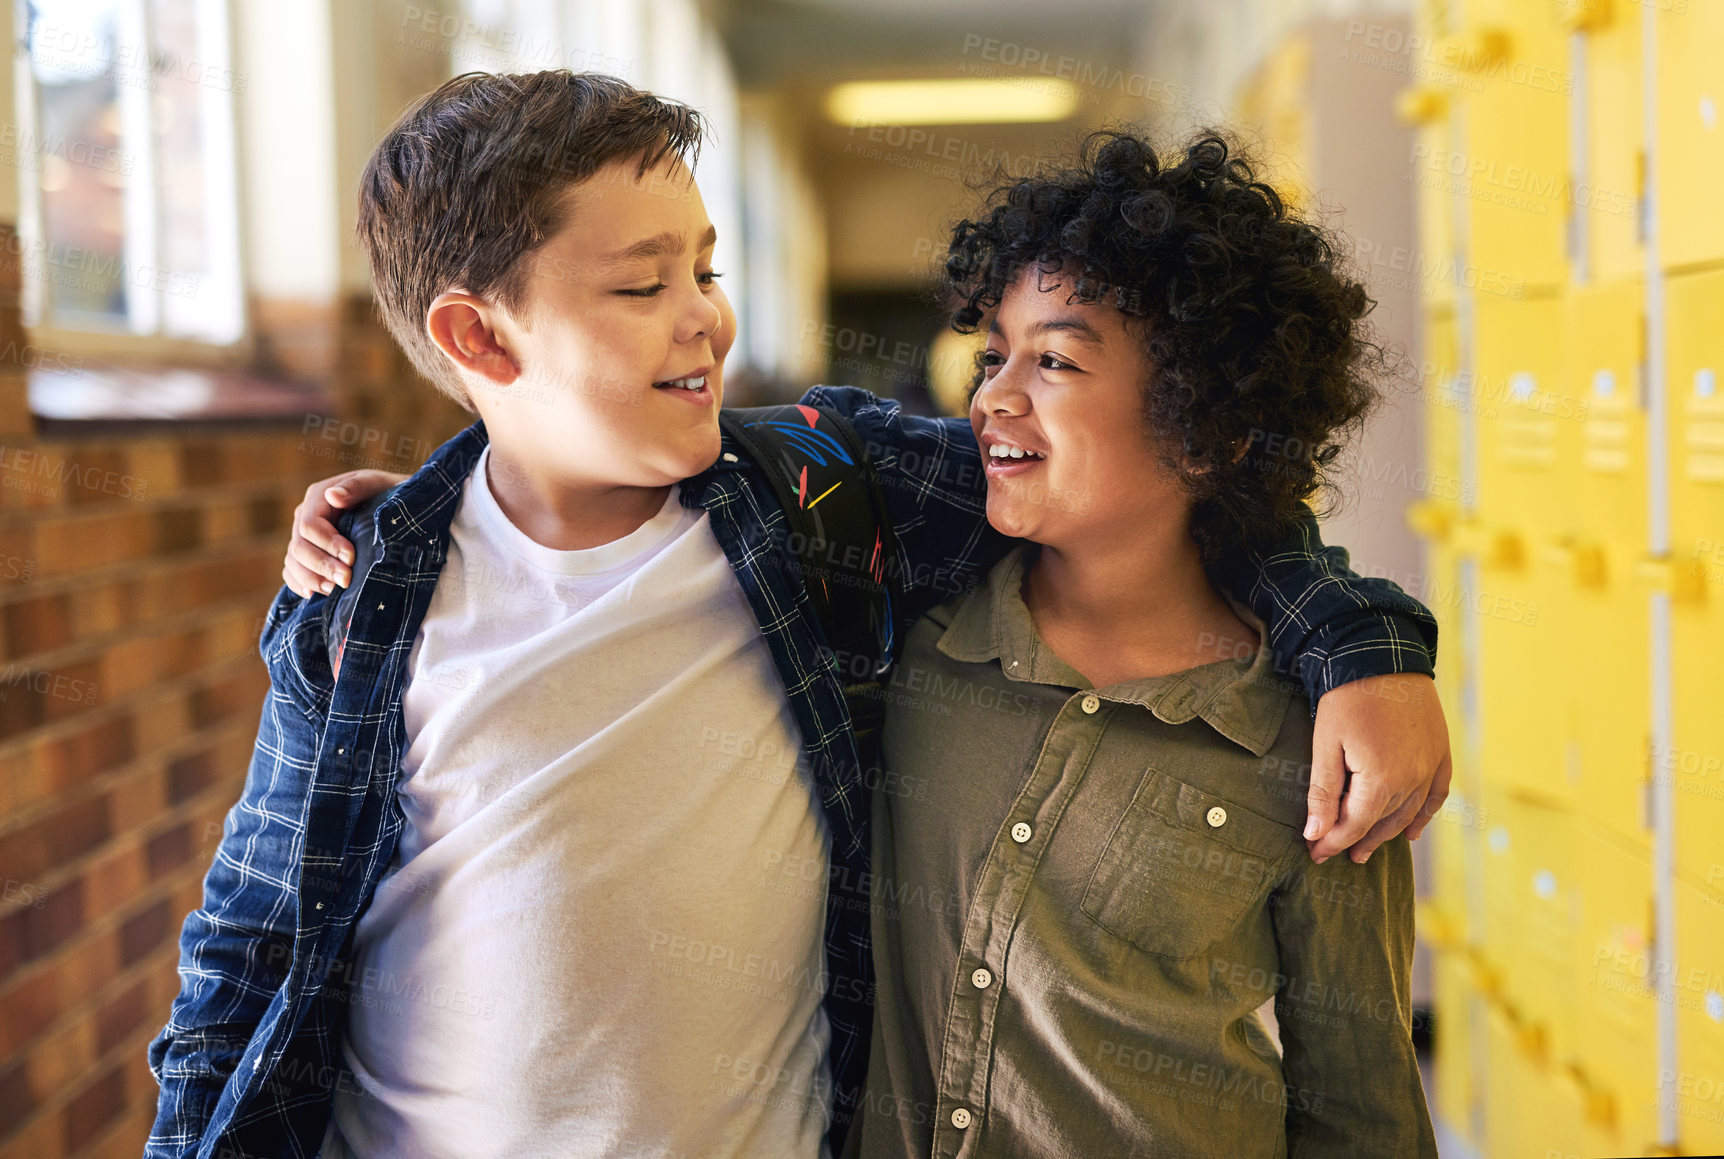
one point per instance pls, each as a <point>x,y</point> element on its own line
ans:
<point>250,1057</point>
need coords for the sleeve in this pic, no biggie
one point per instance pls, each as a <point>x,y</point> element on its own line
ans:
<point>930,475</point>
<point>235,950</point>
<point>1345,936</point>
<point>1327,624</point>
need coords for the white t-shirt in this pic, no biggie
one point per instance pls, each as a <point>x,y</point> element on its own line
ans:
<point>577,950</point>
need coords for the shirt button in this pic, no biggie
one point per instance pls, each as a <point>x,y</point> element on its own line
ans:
<point>982,978</point>
<point>729,458</point>
<point>1217,817</point>
<point>960,1118</point>
<point>1091,703</point>
<point>1021,832</point>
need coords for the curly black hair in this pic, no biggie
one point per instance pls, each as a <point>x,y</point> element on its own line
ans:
<point>1262,363</point>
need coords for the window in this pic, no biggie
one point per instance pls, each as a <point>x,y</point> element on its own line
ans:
<point>129,220</point>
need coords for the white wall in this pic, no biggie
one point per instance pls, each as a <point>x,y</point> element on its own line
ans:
<point>285,122</point>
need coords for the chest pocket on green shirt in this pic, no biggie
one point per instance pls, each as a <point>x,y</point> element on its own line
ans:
<point>1184,866</point>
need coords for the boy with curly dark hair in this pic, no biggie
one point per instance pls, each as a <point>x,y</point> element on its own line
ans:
<point>1121,853</point>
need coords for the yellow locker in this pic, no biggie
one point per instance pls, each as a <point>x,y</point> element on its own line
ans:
<point>1499,943</point>
<point>1528,425</point>
<point>1530,1109</point>
<point>1528,418</point>
<point>1694,307</point>
<point>1615,1001</point>
<point>1690,137</point>
<point>1539,981</point>
<point>1456,1094</point>
<point>1603,352</point>
<point>1599,563</point>
<point>1512,59</point>
<point>1506,1079</point>
<point>1556,1108</point>
<point>1697,1086</point>
<point>1446,399</point>
<point>1606,197</point>
<point>1456,836</point>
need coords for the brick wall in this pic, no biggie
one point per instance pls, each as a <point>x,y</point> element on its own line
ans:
<point>134,575</point>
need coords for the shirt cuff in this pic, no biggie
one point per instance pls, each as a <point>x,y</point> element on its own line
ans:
<point>1370,643</point>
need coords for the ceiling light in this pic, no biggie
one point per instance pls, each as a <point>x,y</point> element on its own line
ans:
<point>952,102</point>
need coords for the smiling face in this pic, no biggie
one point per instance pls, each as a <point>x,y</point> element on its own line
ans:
<point>615,364</point>
<point>1059,418</point>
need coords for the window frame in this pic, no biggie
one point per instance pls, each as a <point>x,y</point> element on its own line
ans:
<point>143,206</point>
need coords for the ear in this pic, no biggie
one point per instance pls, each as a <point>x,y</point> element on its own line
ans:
<point>464,328</point>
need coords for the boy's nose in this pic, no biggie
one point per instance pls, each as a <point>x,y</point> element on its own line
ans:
<point>700,318</point>
<point>1001,394</point>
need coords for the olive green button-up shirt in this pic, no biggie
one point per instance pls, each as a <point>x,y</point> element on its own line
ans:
<point>1083,896</point>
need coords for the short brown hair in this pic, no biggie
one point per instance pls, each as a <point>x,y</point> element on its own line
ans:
<point>469,181</point>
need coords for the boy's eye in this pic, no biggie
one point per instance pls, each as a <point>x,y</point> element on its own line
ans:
<point>987,360</point>
<point>709,278</point>
<point>1055,362</point>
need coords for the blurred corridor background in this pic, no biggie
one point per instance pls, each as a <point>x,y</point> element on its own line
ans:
<point>1529,188</point>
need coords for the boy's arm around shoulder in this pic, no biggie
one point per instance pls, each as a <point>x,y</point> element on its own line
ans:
<point>236,948</point>
<point>930,475</point>
<point>1328,624</point>
<point>1365,651</point>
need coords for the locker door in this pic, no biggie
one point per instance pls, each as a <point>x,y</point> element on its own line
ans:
<point>1690,138</point>
<point>1615,1000</point>
<point>1513,59</point>
<point>1529,449</point>
<point>1606,197</point>
<point>1695,343</point>
<point>1698,1085</point>
<point>1603,356</point>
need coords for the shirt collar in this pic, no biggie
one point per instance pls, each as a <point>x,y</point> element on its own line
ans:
<point>1244,700</point>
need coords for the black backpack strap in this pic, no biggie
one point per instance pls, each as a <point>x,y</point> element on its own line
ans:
<point>840,535</point>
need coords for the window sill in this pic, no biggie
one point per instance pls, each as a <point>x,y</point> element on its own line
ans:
<point>108,399</point>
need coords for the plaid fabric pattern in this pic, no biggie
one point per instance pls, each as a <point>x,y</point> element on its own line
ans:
<point>250,1057</point>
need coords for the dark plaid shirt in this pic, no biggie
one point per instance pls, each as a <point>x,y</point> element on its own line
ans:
<point>251,1054</point>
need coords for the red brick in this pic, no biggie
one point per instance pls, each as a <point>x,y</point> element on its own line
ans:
<point>29,853</point>
<point>17,1103</point>
<point>178,529</point>
<point>122,1015</point>
<point>145,932</point>
<point>35,625</point>
<point>192,774</point>
<point>167,851</point>
<point>88,1114</point>
<point>27,1009</point>
<point>87,753</point>
<point>27,934</point>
